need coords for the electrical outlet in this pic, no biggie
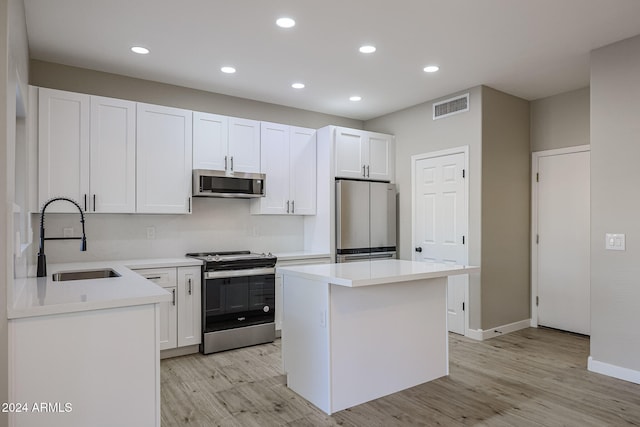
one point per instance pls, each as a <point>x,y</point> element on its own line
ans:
<point>151,233</point>
<point>67,232</point>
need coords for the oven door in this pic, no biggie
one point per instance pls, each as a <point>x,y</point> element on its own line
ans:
<point>237,301</point>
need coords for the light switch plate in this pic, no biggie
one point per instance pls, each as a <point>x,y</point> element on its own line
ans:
<point>614,242</point>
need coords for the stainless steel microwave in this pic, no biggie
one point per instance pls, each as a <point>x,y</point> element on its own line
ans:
<point>212,183</point>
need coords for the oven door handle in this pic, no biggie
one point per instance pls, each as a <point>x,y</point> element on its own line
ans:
<point>238,273</point>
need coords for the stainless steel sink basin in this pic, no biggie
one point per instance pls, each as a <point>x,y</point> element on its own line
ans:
<point>103,273</point>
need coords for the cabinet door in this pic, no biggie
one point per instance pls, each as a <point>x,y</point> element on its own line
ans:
<point>169,322</point>
<point>349,152</point>
<point>381,163</point>
<point>113,156</point>
<point>189,306</point>
<point>244,145</point>
<point>210,141</point>
<point>164,159</point>
<point>165,278</point>
<point>303,171</point>
<point>63,153</point>
<point>274,158</point>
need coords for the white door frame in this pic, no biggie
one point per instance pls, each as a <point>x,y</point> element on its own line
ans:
<point>535,156</point>
<point>464,149</point>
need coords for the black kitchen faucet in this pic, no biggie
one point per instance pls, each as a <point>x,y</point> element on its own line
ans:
<point>42,259</point>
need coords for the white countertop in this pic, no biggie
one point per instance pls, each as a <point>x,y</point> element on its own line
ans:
<point>41,296</point>
<point>367,273</point>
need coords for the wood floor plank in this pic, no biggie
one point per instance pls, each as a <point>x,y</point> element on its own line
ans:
<point>529,378</point>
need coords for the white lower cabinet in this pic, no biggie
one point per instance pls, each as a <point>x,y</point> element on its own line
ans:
<point>180,318</point>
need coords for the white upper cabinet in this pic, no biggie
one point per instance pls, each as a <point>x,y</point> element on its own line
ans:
<point>164,160</point>
<point>302,165</point>
<point>87,150</point>
<point>225,143</point>
<point>210,141</point>
<point>63,153</point>
<point>113,156</point>
<point>244,145</point>
<point>288,158</point>
<point>364,155</point>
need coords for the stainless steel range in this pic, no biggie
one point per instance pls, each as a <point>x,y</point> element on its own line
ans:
<point>238,299</point>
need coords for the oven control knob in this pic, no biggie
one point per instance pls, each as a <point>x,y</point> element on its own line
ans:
<point>266,309</point>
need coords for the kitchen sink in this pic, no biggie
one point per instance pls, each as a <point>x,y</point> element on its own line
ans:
<point>103,273</point>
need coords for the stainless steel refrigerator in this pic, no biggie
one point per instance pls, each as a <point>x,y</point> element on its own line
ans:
<point>365,220</point>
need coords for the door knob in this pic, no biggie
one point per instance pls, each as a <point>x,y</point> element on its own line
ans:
<point>418,249</point>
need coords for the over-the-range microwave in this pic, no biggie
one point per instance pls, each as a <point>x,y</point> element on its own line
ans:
<point>212,183</point>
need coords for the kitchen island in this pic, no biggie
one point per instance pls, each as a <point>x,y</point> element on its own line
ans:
<point>355,332</point>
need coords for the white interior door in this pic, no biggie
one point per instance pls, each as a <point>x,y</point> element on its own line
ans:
<point>440,224</point>
<point>563,234</point>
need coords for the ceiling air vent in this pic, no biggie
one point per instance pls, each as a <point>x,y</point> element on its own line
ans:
<point>452,106</point>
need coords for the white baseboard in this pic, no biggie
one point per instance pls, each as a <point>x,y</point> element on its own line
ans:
<point>613,371</point>
<point>485,334</point>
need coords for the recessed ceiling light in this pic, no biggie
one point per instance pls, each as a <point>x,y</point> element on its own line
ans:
<point>285,22</point>
<point>431,68</point>
<point>355,98</point>
<point>298,85</point>
<point>139,49</point>
<point>367,49</point>
<point>228,70</point>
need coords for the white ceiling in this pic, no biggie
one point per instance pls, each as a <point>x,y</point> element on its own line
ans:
<point>529,48</point>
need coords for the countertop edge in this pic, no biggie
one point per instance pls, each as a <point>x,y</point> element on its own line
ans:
<point>354,283</point>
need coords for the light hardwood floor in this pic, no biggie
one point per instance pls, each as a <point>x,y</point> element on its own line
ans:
<point>531,377</point>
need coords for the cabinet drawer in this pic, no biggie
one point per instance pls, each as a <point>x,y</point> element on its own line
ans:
<point>164,277</point>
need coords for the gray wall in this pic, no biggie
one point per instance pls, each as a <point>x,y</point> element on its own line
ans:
<point>57,76</point>
<point>416,133</point>
<point>506,183</point>
<point>560,121</point>
<point>615,203</point>
<point>14,52</point>
<point>496,129</point>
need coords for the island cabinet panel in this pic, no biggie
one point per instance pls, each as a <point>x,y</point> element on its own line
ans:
<point>400,329</point>
<point>305,338</point>
<point>96,368</point>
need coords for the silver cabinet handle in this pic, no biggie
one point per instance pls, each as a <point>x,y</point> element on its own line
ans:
<point>94,202</point>
<point>231,163</point>
<point>154,278</point>
<point>293,206</point>
<point>225,162</point>
<point>364,174</point>
<point>85,202</point>
<point>367,171</point>
<point>287,206</point>
<point>189,285</point>
<point>173,291</point>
